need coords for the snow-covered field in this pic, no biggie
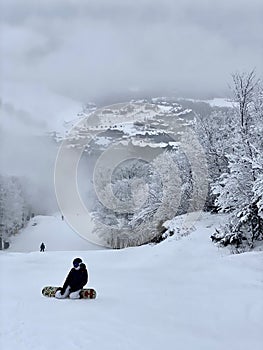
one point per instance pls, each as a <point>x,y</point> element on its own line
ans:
<point>182,294</point>
<point>215,102</point>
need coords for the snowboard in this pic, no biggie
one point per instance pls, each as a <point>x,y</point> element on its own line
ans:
<point>86,293</point>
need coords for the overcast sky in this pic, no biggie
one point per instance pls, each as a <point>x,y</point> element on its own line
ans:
<point>88,50</point>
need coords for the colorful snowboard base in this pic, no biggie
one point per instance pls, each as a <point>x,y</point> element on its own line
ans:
<point>86,293</point>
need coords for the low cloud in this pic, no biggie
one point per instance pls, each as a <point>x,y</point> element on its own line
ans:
<point>89,50</point>
<point>58,54</point>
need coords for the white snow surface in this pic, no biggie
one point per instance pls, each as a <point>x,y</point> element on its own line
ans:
<point>215,102</point>
<point>181,294</point>
<point>55,233</point>
<point>221,102</point>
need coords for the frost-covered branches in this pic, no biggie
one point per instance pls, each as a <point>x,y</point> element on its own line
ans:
<point>243,89</point>
<point>13,208</point>
<point>239,191</point>
<point>216,132</point>
<point>149,193</point>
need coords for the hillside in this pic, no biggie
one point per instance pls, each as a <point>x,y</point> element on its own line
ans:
<point>55,233</point>
<point>181,294</point>
<point>155,123</point>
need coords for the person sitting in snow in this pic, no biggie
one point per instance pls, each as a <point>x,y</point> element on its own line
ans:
<point>75,281</point>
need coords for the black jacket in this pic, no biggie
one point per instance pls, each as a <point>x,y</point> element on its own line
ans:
<point>76,279</point>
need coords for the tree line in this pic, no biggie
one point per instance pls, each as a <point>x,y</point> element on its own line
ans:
<point>14,209</point>
<point>233,144</point>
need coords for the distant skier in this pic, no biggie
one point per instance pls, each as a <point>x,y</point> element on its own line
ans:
<point>62,217</point>
<point>75,281</point>
<point>42,247</point>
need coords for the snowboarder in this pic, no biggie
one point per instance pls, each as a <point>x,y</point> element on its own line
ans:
<point>42,247</point>
<point>75,281</point>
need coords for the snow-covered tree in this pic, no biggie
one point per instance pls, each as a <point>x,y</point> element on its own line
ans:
<point>147,195</point>
<point>14,210</point>
<point>244,85</point>
<point>128,195</point>
<point>216,134</point>
<point>239,191</point>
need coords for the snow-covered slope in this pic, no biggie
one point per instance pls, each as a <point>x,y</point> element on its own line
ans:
<point>55,233</point>
<point>181,294</point>
<point>214,102</point>
<point>156,123</point>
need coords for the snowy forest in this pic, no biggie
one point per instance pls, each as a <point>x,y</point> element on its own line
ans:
<point>232,141</point>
